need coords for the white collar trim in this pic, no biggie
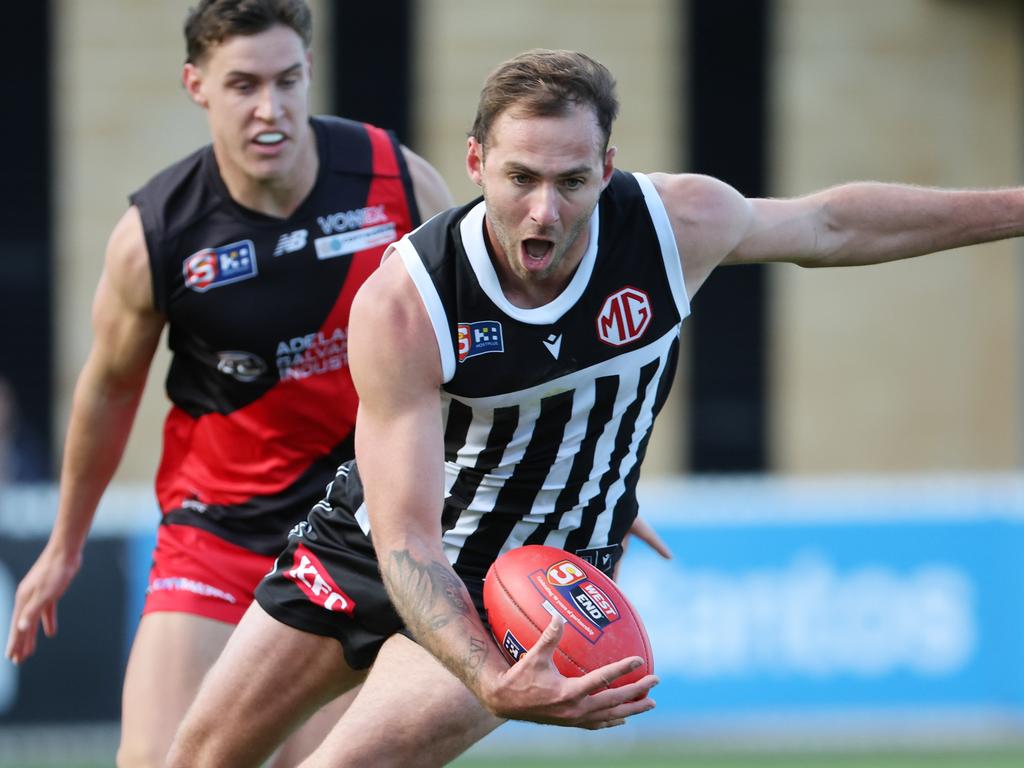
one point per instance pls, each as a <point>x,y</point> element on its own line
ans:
<point>472,231</point>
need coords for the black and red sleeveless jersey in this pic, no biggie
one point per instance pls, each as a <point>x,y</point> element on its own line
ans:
<point>257,307</point>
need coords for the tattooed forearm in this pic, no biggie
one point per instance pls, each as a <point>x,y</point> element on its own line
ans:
<point>429,592</point>
<point>429,597</point>
<point>478,650</point>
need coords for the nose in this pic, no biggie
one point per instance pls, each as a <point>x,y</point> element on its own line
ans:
<point>268,108</point>
<point>544,206</point>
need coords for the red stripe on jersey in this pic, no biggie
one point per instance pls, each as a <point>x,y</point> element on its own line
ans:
<point>262,448</point>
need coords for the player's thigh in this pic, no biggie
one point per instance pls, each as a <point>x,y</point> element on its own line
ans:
<point>170,654</point>
<point>311,733</point>
<point>410,712</point>
<point>269,678</point>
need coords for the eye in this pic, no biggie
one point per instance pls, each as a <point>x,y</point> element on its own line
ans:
<point>241,86</point>
<point>289,82</point>
<point>520,179</point>
<point>573,184</point>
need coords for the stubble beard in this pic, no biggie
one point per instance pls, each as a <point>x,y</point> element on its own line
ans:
<point>513,248</point>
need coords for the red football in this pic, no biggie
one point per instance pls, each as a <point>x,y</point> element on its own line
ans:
<point>525,587</point>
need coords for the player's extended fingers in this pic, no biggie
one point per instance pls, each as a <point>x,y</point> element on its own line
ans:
<point>50,619</point>
<point>601,724</point>
<point>624,701</point>
<point>603,677</point>
<point>643,531</point>
<point>608,709</point>
<point>21,642</point>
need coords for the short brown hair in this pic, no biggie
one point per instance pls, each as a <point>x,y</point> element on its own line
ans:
<point>546,83</point>
<point>214,21</point>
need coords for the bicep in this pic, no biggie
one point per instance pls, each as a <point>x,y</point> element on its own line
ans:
<point>126,325</point>
<point>399,443</point>
<point>790,230</point>
<point>714,224</point>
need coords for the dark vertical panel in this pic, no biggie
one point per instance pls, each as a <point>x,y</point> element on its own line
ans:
<point>75,676</point>
<point>373,63</point>
<point>25,238</point>
<point>728,66</point>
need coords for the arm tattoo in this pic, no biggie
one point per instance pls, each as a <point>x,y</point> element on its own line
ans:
<point>429,592</point>
<point>478,649</point>
<point>429,596</point>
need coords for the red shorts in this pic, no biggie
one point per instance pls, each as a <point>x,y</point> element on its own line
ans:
<point>199,573</point>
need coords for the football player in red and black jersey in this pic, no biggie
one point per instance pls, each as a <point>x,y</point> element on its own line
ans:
<point>250,250</point>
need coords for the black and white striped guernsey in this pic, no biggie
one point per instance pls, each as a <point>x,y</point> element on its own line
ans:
<point>547,411</point>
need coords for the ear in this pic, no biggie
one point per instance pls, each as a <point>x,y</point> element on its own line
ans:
<point>609,167</point>
<point>475,161</point>
<point>192,79</point>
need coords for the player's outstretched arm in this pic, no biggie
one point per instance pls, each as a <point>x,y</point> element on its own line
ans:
<point>400,452</point>
<point>126,330</point>
<point>849,225</point>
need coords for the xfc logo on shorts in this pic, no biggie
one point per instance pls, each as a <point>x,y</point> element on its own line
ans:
<point>312,578</point>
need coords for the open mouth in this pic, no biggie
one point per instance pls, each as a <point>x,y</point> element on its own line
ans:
<point>537,249</point>
<point>269,138</point>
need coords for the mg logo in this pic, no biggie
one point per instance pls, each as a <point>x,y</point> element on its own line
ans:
<point>624,317</point>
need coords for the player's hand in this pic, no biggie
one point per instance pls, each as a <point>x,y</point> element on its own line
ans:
<point>36,600</point>
<point>533,689</point>
<point>643,531</point>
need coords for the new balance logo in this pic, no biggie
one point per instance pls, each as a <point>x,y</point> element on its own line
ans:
<point>554,344</point>
<point>291,242</point>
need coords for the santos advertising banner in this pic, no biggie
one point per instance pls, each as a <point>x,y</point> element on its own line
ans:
<point>859,603</point>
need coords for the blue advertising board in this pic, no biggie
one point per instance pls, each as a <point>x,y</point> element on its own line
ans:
<point>859,602</point>
<point>871,598</point>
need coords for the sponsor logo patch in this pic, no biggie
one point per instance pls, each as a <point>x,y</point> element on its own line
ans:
<point>553,343</point>
<point>512,647</point>
<point>314,354</point>
<point>595,604</point>
<point>602,557</point>
<point>311,576</point>
<point>195,505</point>
<point>333,246</point>
<point>182,584</point>
<point>214,267</point>
<point>624,316</point>
<point>244,366</point>
<point>290,242</point>
<point>565,574</point>
<point>342,221</point>
<point>581,603</point>
<point>479,338</point>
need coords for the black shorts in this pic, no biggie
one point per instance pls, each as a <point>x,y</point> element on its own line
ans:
<point>327,581</point>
